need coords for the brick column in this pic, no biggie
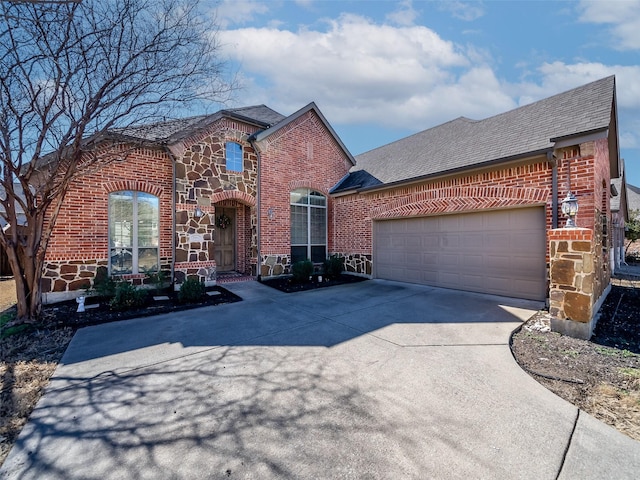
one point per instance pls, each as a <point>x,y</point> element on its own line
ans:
<point>573,299</point>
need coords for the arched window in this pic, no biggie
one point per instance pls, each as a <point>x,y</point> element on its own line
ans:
<point>308,225</point>
<point>233,155</point>
<point>133,232</point>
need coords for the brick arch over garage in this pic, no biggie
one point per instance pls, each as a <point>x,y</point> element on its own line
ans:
<point>133,185</point>
<point>241,197</point>
<point>459,199</point>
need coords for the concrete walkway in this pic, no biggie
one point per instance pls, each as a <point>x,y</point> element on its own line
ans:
<point>371,380</point>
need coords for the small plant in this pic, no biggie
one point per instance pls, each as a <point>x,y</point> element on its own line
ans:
<point>127,296</point>
<point>103,284</point>
<point>571,353</point>
<point>631,372</point>
<point>192,290</point>
<point>333,266</point>
<point>157,279</point>
<point>301,271</point>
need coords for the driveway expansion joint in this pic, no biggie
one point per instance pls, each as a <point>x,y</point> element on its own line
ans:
<point>566,450</point>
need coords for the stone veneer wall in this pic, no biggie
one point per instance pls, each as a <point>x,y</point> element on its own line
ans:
<point>576,290</point>
<point>194,245</point>
<point>357,263</point>
<point>202,179</point>
<point>274,265</point>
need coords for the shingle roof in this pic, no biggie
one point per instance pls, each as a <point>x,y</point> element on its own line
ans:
<point>173,130</point>
<point>633,197</point>
<point>463,143</point>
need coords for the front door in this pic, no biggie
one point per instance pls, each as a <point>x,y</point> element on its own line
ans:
<point>225,239</point>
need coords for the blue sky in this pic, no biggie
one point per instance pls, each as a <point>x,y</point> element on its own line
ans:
<point>382,70</point>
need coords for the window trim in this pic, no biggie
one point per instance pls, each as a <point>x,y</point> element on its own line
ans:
<point>308,192</point>
<point>135,267</point>
<point>234,160</point>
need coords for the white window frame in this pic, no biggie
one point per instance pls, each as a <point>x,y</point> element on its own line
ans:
<point>135,270</point>
<point>307,193</point>
<point>226,156</point>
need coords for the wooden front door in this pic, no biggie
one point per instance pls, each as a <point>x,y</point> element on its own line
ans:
<point>225,239</point>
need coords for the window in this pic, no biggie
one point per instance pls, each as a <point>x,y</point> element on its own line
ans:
<point>133,232</point>
<point>234,156</point>
<point>308,226</point>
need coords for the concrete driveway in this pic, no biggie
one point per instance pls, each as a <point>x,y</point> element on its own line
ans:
<point>371,380</point>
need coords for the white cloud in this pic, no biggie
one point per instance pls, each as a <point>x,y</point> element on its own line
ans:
<point>467,11</point>
<point>624,16</point>
<point>405,15</point>
<point>558,77</point>
<point>239,12</point>
<point>362,72</point>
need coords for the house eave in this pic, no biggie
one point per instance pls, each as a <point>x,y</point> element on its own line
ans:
<point>578,138</point>
<point>533,156</point>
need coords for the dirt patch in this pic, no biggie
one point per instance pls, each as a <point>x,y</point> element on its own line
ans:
<point>27,362</point>
<point>601,376</point>
<point>7,293</point>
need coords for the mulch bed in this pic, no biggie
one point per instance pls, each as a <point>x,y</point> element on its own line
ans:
<point>65,314</point>
<point>289,285</point>
<point>601,375</point>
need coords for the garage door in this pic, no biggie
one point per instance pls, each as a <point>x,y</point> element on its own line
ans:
<point>500,252</point>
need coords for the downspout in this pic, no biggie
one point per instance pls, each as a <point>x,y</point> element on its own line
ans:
<point>554,189</point>
<point>251,140</point>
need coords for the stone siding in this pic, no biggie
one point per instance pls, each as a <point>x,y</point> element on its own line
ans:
<point>575,292</point>
<point>274,265</point>
<point>358,264</point>
<point>202,179</point>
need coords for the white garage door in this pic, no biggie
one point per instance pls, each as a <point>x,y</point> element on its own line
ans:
<point>500,252</point>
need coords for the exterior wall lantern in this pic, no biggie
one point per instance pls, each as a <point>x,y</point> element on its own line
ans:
<point>198,213</point>
<point>570,209</point>
<point>271,213</point>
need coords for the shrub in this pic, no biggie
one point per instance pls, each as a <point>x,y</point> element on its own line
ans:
<point>103,284</point>
<point>301,271</point>
<point>333,266</point>
<point>632,257</point>
<point>192,290</point>
<point>157,279</point>
<point>127,296</point>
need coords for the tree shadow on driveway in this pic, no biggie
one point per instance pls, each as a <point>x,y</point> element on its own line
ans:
<point>298,386</point>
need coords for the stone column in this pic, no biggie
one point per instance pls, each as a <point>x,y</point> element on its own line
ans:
<point>573,300</point>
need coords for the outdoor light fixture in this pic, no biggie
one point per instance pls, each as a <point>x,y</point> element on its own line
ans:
<point>199,213</point>
<point>271,213</point>
<point>570,209</point>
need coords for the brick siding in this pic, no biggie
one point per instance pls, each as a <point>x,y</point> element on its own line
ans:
<point>79,244</point>
<point>302,154</point>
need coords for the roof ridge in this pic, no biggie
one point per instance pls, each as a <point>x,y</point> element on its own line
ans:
<point>586,86</point>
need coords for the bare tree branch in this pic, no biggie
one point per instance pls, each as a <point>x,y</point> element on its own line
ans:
<point>72,72</point>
